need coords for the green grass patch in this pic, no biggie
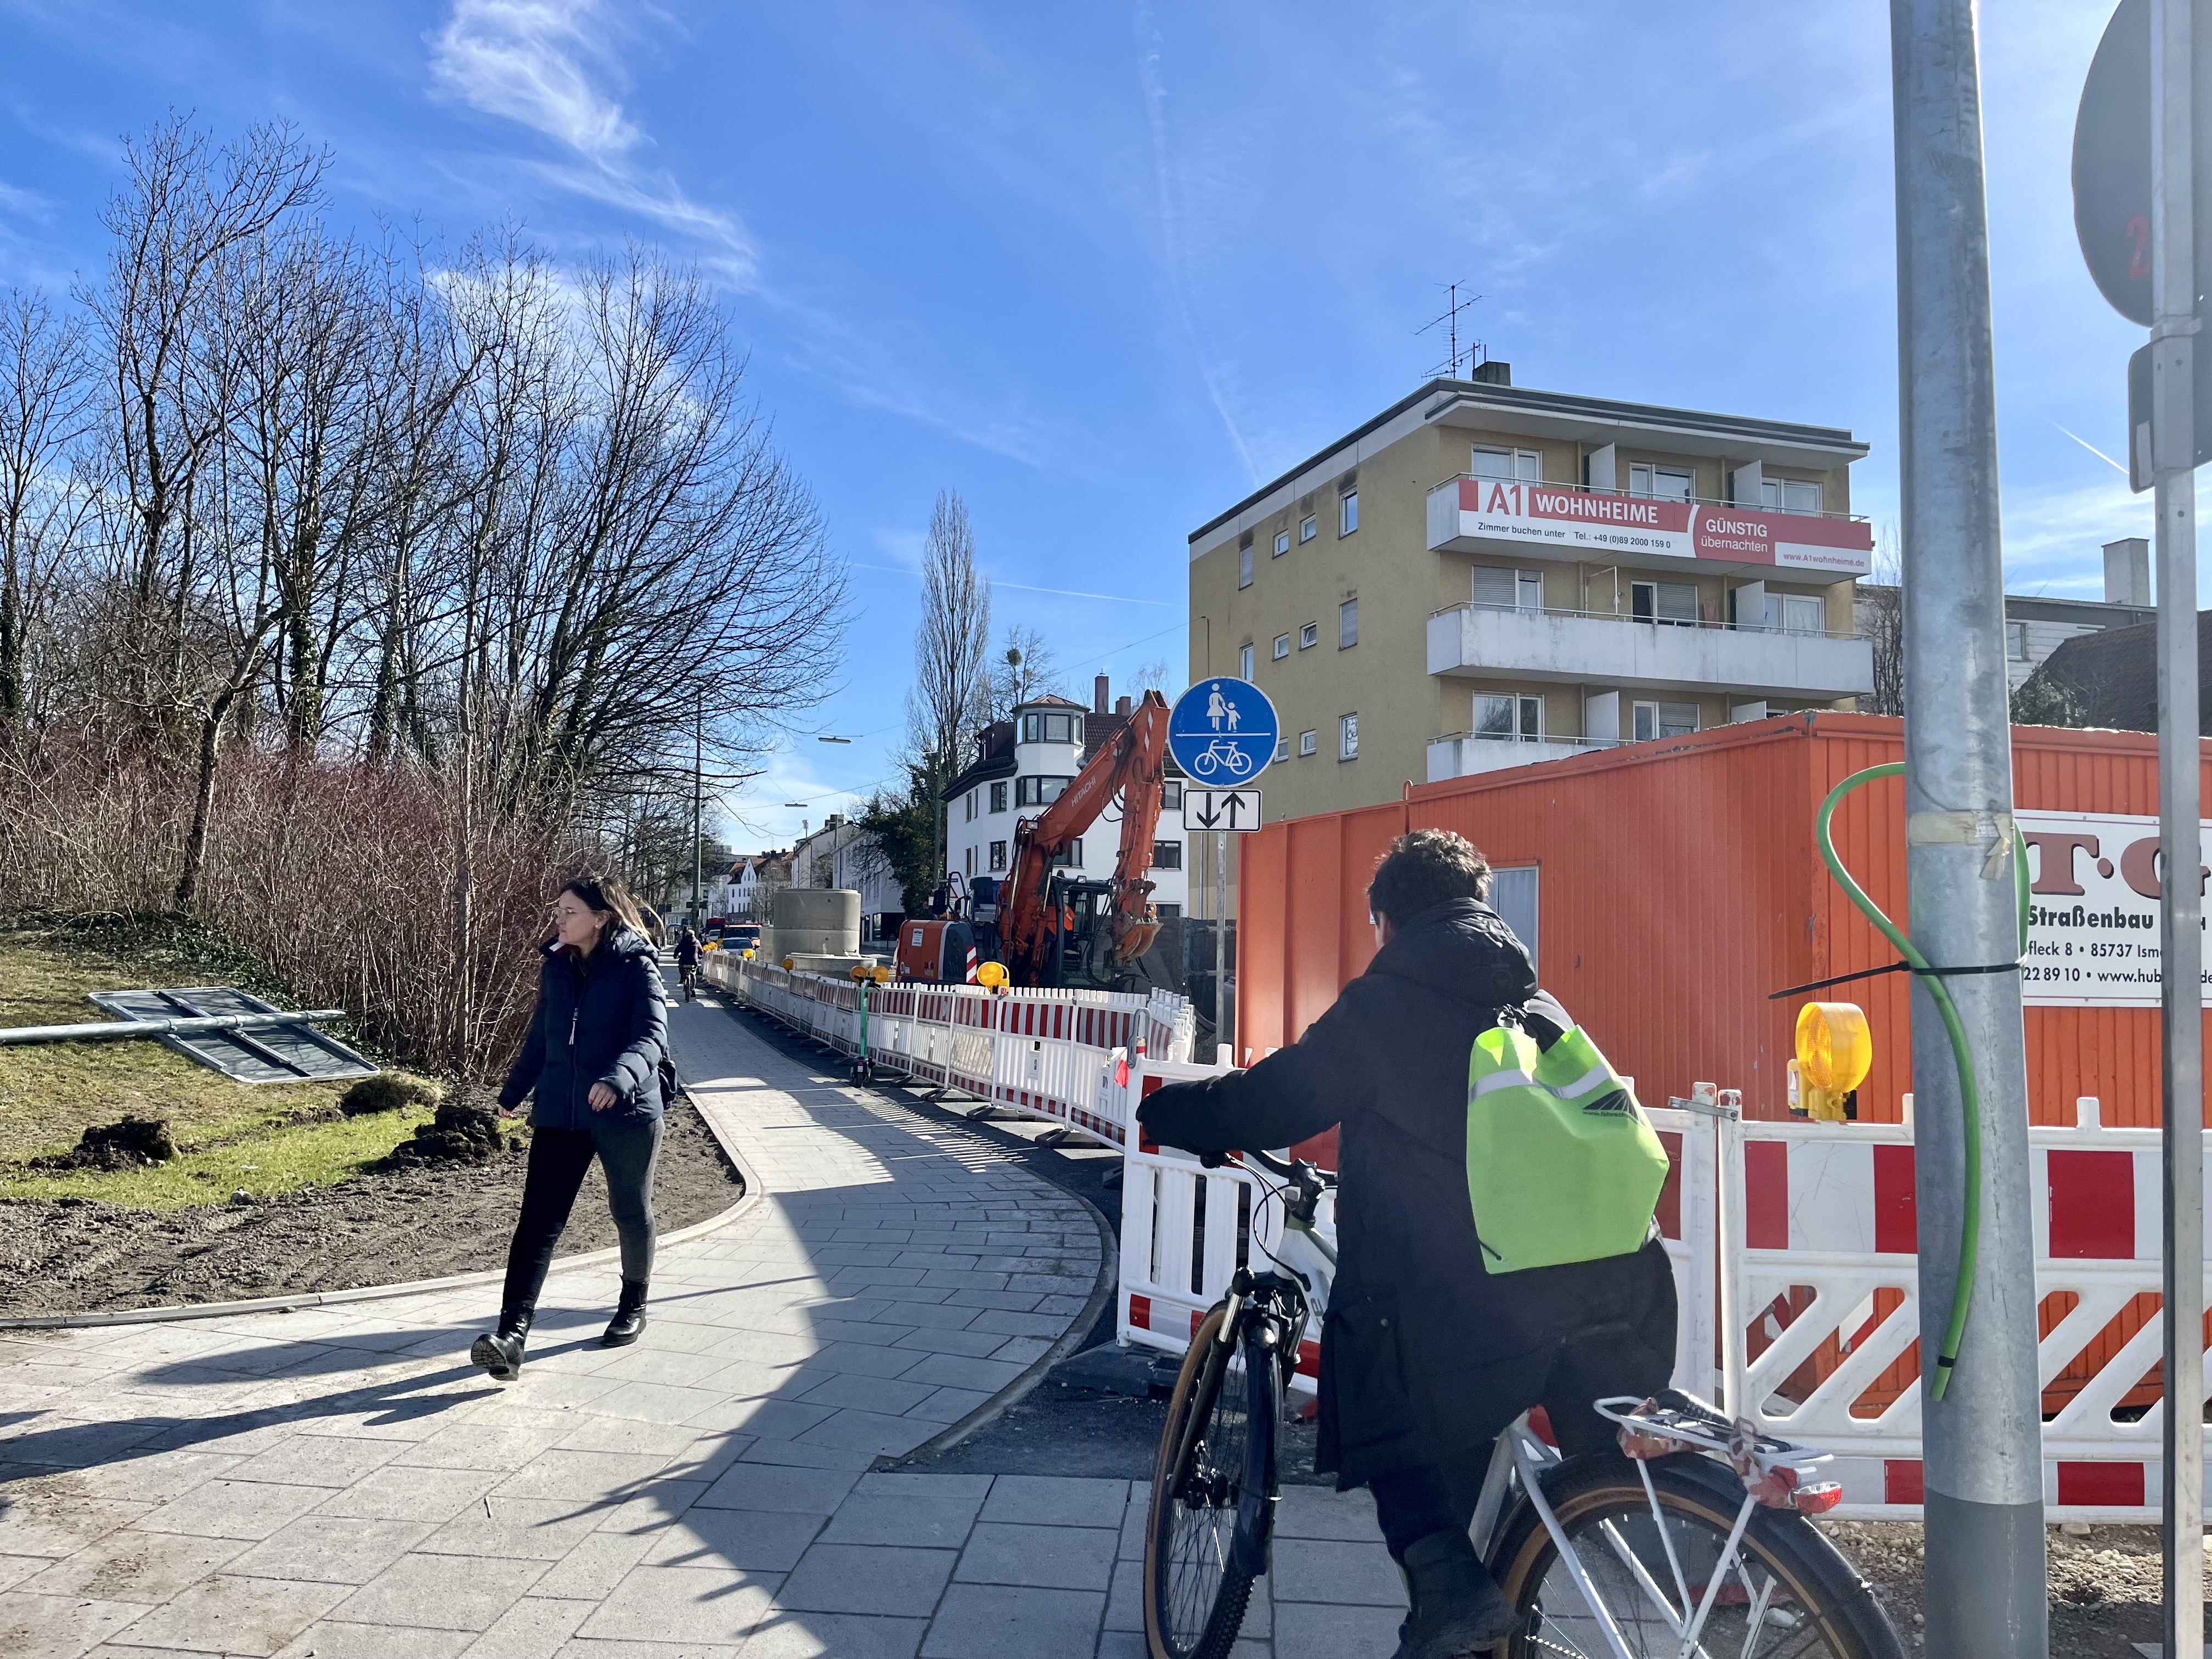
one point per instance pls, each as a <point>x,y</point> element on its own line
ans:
<point>267,1138</point>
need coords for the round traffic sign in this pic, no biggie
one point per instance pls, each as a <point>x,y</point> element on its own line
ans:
<point>2111,164</point>
<point>1223,733</point>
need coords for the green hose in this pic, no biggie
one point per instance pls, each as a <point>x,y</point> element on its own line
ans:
<point>1970,1236</point>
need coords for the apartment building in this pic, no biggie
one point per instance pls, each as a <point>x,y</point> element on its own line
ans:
<point>1487,575</point>
<point>1022,766</point>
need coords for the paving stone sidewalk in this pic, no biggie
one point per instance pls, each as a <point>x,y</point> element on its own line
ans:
<point>339,1482</point>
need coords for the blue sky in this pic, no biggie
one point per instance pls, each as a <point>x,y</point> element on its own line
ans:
<point>1103,268</point>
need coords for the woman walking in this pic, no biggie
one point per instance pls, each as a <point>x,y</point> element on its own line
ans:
<point>591,1067</point>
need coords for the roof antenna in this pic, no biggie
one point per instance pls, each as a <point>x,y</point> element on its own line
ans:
<point>1449,322</point>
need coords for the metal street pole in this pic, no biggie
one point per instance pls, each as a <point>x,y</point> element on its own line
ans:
<point>1224,1029</point>
<point>2181,1030</point>
<point>698,798</point>
<point>1981,1451</point>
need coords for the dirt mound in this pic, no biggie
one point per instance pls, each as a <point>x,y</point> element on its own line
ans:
<point>388,1091</point>
<point>132,1144</point>
<point>464,1131</point>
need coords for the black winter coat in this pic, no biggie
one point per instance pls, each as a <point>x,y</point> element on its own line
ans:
<point>1424,1356</point>
<point>604,1019</point>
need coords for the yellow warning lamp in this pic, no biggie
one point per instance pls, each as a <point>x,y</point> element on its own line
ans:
<point>1835,1051</point>
<point>992,977</point>
<point>789,962</point>
<point>749,956</point>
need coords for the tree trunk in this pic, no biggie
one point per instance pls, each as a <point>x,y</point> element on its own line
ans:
<point>188,880</point>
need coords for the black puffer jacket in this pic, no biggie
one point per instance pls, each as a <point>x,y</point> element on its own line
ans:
<point>1424,1356</point>
<point>604,1019</point>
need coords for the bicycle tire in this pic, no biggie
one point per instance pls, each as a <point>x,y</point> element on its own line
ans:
<point>1176,1625</point>
<point>1834,1610</point>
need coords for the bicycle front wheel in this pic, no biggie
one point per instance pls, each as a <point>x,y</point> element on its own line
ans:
<point>1216,1463</point>
<point>1787,1593</point>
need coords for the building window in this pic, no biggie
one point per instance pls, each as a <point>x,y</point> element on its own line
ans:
<point>1167,912</point>
<point>1513,897</point>
<point>1038,791</point>
<point>1048,729</point>
<point>1167,855</point>
<point>998,855</point>
<point>1307,528</point>
<point>1072,859</point>
<point>1309,637</point>
<point>1347,738</point>
<point>968,858</point>
<point>1509,716</point>
<point>1171,795</point>
<point>1347,624</point>
<point>1309,743</point>
<point>1789,495</point>
<point>1282,748</point>
<point>1664,719</point>
<point>1282,543</point>
<point>1347,512</point>
<point>2017,641</point>
<point>1500,589</point>
<point>1673,603</point>
<point>1507,465</point>
<point>1244,565</point>
<point>1282,646</point>
<point>998,797</point>
<point>1802,613</point>
<point>1244,660</point>
<point>1663,483</point>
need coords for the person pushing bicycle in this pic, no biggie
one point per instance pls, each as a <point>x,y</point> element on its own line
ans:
<point>1426,1353</point>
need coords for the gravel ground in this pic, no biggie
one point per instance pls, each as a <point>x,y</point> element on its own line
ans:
<point>63,1257</point>
<point>2104,1588</point>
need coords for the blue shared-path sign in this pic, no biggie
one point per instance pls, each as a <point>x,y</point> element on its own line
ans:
<point>1223,733</point>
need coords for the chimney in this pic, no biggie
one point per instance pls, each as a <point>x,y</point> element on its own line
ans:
<point>1491,371</point>
<point>1099,695</point>
<point>2127,572</point>
<point>1120,705</point>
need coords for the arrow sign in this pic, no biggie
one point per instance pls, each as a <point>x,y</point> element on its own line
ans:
<point>1231,811</point>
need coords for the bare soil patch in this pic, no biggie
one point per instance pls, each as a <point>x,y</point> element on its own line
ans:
<point>67,1256</point>
<point>2104,1588</point>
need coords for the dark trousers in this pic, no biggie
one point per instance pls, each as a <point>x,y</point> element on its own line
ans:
<point>628,1149</point>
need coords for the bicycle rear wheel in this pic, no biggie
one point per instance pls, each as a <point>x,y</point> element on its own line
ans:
<point>1217,1454</point>
<point>1789,1594</point>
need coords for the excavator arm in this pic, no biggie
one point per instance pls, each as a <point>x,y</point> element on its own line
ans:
<point>1131,767</point>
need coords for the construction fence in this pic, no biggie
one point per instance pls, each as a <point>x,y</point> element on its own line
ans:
<point>1793,1243</point>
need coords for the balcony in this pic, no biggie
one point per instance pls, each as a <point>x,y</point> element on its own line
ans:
<point>1461,756</point>
<point>1468,515</point>
<point>1471,642</point>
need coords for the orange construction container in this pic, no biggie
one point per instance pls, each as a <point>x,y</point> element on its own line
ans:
<point>1679,884</point>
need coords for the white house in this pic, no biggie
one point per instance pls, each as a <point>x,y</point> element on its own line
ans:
<point>842,854</point>
<point>1021,767</point>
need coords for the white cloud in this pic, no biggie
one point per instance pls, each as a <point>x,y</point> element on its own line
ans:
<point>2053,536</point>
<point>548,65</point>
<point>531,61</point>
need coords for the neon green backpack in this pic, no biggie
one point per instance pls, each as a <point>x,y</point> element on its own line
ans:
<point>1562,1165</point>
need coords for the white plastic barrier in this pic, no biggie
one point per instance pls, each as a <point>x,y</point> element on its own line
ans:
<point>1827,1277</point>
<point>1046,1053</point>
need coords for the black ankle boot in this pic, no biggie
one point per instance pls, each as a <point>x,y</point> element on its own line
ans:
<point>501,1353</point>
<point>628,1322</point>
<point>1458,1608</point>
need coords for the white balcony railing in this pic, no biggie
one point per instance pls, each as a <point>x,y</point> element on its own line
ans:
<point>1602,649</point>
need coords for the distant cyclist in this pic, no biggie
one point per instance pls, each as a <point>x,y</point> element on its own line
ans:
<point>687,953</point>
<point>1425,1354</point>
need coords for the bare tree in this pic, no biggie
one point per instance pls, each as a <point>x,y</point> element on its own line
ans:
<point>1881,624</point>
<point>1027,668</point>
<point>44,403</point>
<point>952,695</point>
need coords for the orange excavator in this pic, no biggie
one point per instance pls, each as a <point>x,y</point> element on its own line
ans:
<point>1058,928</point>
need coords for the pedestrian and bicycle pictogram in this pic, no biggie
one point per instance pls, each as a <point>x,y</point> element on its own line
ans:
<point>1223,731</point>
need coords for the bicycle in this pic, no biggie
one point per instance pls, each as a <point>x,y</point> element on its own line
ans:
<point>690,971</point>
<point>1691,1542</point>
<point>1220,755</point>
